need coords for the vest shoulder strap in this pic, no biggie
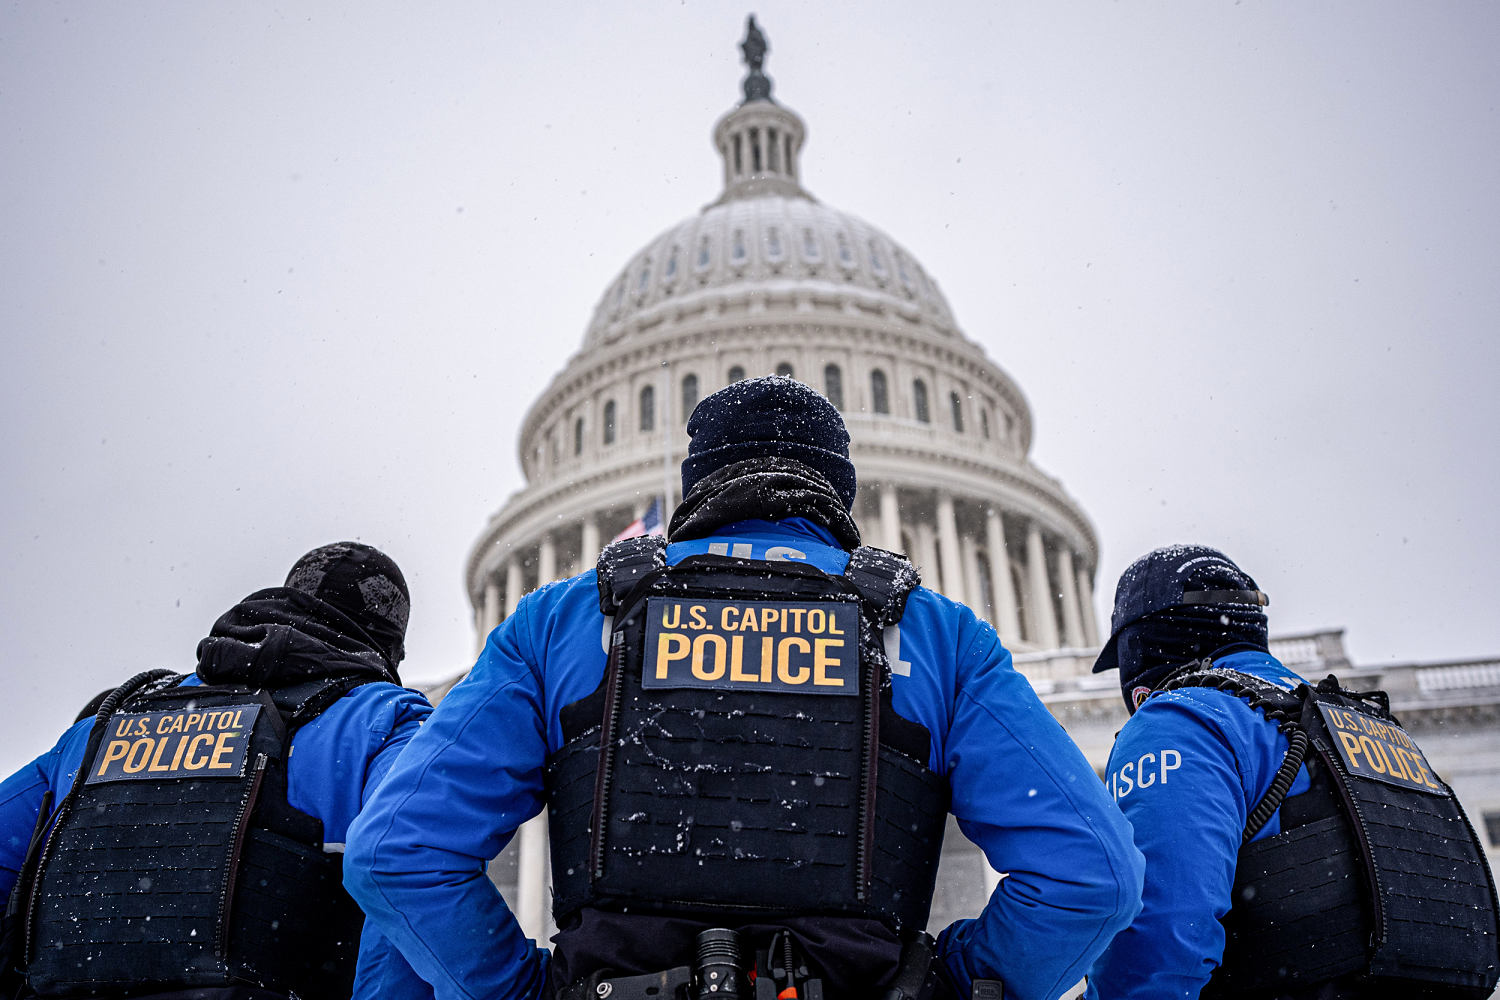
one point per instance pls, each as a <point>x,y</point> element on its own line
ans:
<point>303,702</point>
<point>1280,706</point>
<point>625,563</point>
<point>884,580</point>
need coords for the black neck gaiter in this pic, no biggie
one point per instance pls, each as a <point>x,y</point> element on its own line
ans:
<point>1150,649</point>
<point>770,489</point>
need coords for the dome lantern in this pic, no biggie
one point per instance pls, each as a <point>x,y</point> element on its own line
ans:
<point>760,140</point>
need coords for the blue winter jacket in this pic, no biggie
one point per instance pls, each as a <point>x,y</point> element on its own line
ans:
<point>1186,770</point>
<point>336,760</point>
<point>1021,790</point>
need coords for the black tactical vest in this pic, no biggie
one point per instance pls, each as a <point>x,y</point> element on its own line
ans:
<point>176,862</point>
<point>741,758</point>
<point>1377,878</point>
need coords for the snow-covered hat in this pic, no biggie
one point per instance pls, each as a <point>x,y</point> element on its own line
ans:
<point>773,415</point>
<point>1172,577</point>
<point>365,584</point>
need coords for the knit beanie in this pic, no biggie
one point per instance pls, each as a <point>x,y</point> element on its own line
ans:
<point>773,415</point>
<point>363,583</point>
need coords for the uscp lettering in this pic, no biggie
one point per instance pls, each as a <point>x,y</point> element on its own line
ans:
<point>1147,770</point>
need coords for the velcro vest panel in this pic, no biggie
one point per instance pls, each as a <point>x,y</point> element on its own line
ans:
<point>725,784</point>
<point>177,862</point>
<point>1377,873</point>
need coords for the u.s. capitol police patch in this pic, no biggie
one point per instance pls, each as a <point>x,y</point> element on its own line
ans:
<point>802,647</point>
<point>180,743</point>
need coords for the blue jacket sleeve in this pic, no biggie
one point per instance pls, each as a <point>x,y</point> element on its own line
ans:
<point>1186,770</point>
<point>417,853</point>
<point>337,761</point>
<point>21,799</point>
<point>1024,793</point>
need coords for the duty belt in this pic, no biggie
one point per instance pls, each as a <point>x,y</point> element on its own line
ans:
<point>777,972</point>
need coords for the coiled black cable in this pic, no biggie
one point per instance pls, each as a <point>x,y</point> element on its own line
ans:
<point>1297,741</point>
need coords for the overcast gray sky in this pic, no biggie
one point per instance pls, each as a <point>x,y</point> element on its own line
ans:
<point>275,276</point>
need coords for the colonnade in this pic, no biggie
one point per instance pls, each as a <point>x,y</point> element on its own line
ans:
<point>1012,569</point>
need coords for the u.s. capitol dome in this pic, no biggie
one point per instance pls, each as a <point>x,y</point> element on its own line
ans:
<point>768,279</point>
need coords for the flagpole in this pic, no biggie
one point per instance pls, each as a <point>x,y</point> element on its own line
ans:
<point>666,446</point>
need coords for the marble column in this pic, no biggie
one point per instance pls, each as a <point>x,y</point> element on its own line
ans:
<point>1086,607</point>
<point>532,866</point>
<point>489,613</point>
<point>890,519</point>
<point>590,554</point>
<point>491,604</point>
<point>991,877</point>
<point>970,551</point>
<point>927,560</point>
<point>546,561</point>
<point>1039,596</point>
<point>953,570</point>
<point>1007,619</point>
<point>1072,619</point>
<point>514,581</point>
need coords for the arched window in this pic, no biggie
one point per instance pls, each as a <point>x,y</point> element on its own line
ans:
<point>737,374</point>
<point>773,243</point>
<point>578,436</point>
<point>737,247</point>
<point>648,408</point>
<point>957,405</point>
<point>671,271</point>
<point>609,422</point>
<point>833,385</point>
<point>919,401</point>
<point>902,273</point>
<point>689,395</point>
<point>880,397</point>
<point>785,368</point>
<point>810,250</point>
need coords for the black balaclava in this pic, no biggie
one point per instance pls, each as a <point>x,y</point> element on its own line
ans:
<point>1175,605</point>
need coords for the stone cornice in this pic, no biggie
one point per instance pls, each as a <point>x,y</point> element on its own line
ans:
<point>637,356</point>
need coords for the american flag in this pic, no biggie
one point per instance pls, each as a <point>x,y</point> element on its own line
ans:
<point>648,523</point>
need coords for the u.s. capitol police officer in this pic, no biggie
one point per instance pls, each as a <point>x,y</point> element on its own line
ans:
<point>748,776</point>
<point>182,841</point>
<point>1298,844</point>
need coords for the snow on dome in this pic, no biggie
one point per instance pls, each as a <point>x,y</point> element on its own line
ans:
<point>771,242</point>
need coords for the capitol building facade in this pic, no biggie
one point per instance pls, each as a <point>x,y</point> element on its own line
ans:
<point>767,279</point>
